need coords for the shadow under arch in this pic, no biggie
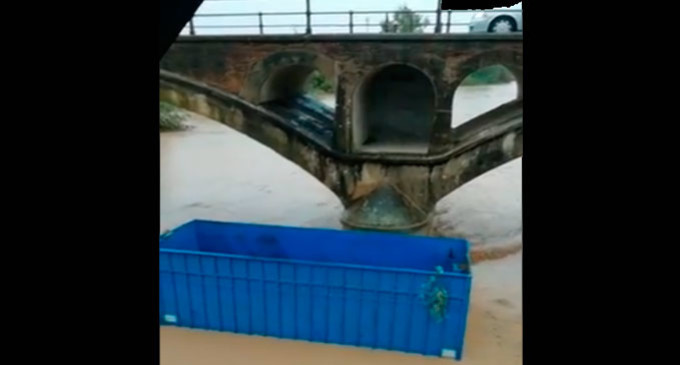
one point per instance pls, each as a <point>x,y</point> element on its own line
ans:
<point>393,110</point>
<point>285,73</point>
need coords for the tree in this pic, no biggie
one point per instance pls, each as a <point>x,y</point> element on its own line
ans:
<point>404,20</point>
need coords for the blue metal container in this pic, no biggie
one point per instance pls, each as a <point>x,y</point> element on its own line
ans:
<point>368,289</point>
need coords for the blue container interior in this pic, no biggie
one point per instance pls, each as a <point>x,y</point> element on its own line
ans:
<point>320,245</point>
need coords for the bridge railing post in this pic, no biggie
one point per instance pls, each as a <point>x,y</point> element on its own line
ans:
<point>351,22</point>
<point>309,19</point>
<point>259,15</point>
<point>448,21</point>
<point>438,26</point>
<point>192,31</point>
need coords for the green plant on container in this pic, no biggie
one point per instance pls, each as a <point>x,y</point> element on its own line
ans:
<point>435,296</point>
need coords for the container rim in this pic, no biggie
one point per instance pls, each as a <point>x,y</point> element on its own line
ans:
<point>359,231</point>
<point>466,274</point>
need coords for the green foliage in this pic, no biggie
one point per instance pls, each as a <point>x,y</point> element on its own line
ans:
<point>404,21</point>
<point>435,296</point>
<point>496,74</point>
<point>170,117</point>
<point>317,82</point>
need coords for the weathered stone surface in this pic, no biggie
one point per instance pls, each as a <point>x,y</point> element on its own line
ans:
<point>385,208</point>
<point>233,117</point>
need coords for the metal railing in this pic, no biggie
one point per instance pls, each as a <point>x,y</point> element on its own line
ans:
<point>440,26</point>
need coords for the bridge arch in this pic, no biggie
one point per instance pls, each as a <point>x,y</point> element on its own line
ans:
<point>393,110</point>
<point>482,92</point>
<point>283,74</point>
<point>510,59</point>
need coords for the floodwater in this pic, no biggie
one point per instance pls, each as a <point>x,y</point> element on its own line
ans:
<point>487,210</point>
<point>213,172</point>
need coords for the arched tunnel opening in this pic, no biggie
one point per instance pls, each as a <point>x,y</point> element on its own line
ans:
<point>303,95</point>
<point>482,91</point>
<point>394,111</point>
<point>294,81</point>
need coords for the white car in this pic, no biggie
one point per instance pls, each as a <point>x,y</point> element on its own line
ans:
<point>497,21</point>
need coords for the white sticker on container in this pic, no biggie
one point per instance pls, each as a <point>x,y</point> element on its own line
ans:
<point>170,318</point>
<point>448,353</point>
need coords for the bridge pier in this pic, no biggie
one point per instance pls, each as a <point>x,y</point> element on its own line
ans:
<point>387,208</point>
<point>425,229</point>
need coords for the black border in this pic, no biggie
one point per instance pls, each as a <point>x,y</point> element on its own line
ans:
<point>101,148</point>
<point>578,178</point>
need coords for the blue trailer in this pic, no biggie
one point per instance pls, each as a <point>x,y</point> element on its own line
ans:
<point>368,289</point>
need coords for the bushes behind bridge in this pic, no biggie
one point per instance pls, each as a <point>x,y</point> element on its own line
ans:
<point>489,76</point>
<point>318,83</point>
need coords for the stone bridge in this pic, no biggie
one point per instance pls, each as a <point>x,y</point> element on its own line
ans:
<point>387,150</point>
